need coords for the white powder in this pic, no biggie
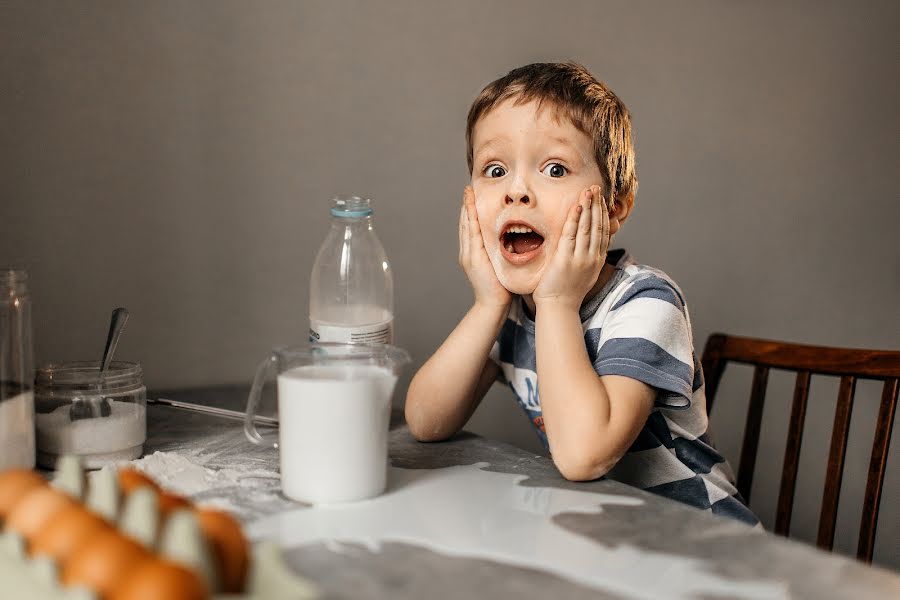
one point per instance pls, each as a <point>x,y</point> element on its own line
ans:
<point>188,475</point>
<point>17,431</point>
<point>99,441</point>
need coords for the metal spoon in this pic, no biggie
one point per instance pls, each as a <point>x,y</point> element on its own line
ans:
<point>98,406</point>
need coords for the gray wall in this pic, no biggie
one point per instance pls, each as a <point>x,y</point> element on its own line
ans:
<point>177,159</point>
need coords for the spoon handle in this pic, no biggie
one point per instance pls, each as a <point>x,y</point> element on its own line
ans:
<point>213,410</point>
<point>116,324</point>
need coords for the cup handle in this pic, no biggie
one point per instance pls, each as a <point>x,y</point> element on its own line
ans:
<point>263,372</point>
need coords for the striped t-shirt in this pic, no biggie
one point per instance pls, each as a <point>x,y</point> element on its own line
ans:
<point>638,326</point>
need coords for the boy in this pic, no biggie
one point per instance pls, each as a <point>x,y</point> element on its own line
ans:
<point>621,391</point>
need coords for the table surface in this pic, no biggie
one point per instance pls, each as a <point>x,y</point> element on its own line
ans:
<point>472,517</point>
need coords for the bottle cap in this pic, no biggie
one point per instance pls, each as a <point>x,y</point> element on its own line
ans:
<point>351,206</point>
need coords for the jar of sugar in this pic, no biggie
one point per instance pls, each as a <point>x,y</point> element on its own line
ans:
<point>113,428</point>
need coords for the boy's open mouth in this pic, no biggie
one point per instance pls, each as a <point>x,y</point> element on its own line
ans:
<point>520,242</point>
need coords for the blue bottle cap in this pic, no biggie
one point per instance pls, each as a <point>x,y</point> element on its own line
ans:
<point>351,206</point>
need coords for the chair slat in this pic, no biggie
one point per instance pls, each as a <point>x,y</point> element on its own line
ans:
<point>831,495</point>
<point>877,467</point>
<point>792,454</point>
<point>751,432</point>
<point>848,363</point>
<point>713,367</point>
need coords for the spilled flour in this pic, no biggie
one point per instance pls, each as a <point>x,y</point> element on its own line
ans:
<point>189,476</point>
<point>181,475</point>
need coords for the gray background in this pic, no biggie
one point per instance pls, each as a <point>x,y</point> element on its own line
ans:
<point>177,159</point>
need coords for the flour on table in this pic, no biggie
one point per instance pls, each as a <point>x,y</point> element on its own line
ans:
<point>189,476</point>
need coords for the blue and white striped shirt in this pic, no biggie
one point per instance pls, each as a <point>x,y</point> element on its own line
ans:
<point>638,326</point>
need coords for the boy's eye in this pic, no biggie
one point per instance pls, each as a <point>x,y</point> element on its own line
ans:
<point>494,171</point>
<point>555,170</point>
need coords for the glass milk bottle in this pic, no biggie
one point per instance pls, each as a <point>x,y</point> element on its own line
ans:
<point>16,373</point>
<point>351,294</point>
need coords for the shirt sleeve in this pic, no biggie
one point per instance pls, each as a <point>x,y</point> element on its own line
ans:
<point>503,344</point>
<point>494,354</point>
<point>646,336</point>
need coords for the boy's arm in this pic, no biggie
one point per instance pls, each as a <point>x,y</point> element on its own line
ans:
<point>447,389</point>
<point>590,421</point>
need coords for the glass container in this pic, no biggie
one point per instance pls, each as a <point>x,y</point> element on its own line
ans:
<point>115,404</point>
<point>351,288</point>
<point>16,372</point>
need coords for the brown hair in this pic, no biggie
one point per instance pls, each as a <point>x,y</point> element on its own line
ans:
<point>591,106</point>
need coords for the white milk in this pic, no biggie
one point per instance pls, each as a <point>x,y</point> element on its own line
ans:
<point>333,430</point>
<point>17,431</point>
<point>352,324</point>
<point>501,517</point>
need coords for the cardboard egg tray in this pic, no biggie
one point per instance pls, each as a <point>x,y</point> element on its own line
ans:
<point>180,539</point>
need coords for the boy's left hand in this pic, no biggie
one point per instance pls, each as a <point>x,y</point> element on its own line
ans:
<point>580,254</point>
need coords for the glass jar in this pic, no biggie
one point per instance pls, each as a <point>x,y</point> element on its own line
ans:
<point>16,372</point>
<point>100,418</point>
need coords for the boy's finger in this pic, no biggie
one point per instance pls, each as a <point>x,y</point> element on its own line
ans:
<point>598,211</point>
<point>463,238</point>
<point>604,230</point>
<point>474,226</point>
<point>464,231</point>
<point>583,238</point>
<point>570,229</point>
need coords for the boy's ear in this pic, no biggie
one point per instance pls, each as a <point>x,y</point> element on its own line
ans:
<point>619,212</point>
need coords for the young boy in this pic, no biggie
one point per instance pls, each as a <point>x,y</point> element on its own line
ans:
<point>621,391</point>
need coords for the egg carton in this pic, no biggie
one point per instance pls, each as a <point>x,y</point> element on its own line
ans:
<point>180,539</point>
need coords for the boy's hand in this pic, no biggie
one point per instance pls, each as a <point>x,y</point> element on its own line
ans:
<point>473,257</point>
<point>580,255</point>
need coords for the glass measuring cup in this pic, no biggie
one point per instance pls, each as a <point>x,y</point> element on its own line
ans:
<point>334,406</point>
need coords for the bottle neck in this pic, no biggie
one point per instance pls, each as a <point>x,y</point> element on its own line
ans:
<point>353,222</point>
<point>14,283</point>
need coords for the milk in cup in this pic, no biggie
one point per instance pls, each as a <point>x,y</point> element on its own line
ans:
<point>333,431</point>
<point>334,411</point>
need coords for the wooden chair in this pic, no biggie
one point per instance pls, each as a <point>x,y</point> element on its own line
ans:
<point>849,365</point>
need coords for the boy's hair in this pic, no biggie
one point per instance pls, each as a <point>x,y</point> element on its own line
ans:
<point>591,106</point>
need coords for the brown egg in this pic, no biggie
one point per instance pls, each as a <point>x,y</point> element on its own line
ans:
<point>230,547</point>
<point>35,509</point>
<point>161,580</point>
<point>66,531</point>
<point>169,502</point>
<point>104,562</point>
<point>132,479</point>
<point>15,483</point>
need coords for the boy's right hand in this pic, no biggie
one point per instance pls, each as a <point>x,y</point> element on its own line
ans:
<point>473,257</point>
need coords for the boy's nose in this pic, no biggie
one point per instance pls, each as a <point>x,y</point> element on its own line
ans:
<point>512,199</point>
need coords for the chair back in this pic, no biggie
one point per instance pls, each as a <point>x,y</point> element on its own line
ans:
<point>848,364</point>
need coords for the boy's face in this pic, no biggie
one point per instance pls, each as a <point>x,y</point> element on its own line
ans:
<point>528,170</point>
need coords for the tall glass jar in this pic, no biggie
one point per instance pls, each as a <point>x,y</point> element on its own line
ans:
<point>16,372</point>
<point>108,425</point>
